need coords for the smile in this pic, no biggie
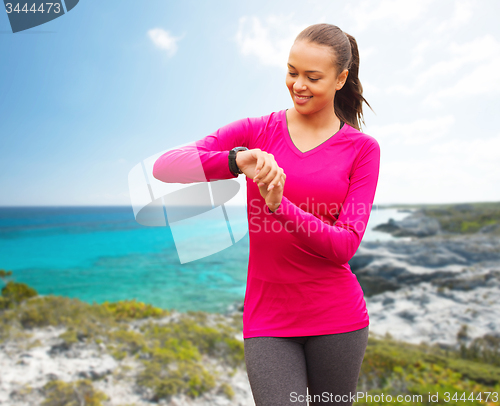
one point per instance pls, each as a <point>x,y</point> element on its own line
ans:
<point>301,99</point>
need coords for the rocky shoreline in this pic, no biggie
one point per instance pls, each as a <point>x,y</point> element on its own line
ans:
<point>431,289</point>
<point>431,285</point>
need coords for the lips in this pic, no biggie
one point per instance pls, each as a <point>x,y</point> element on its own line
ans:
<point>301,99</point>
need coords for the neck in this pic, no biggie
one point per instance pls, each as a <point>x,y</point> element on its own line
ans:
<point>318,120</point>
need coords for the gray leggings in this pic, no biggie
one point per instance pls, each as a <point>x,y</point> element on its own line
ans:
<point>284,370</point>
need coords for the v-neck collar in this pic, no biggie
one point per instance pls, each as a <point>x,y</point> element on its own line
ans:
<point>288,138</point>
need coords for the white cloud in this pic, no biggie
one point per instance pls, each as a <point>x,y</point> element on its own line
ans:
<point>418,53</point>
<point>164,40</point>
<point>483,55</point>
<point>365,53</point>
<point>440,66</point>
<point>474,67</point>
<point>369,88</point>
<point>453,171</point>
<point>270,40</point>
<point>473,52</point>
<point>419,132</point>
<point>461,15</point>
<point>479,154</point>
<point>422,181</point>
<point>396,11</point>
<point>482,80</point>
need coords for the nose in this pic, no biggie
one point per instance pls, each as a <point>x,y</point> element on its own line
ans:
<point>299,86</point>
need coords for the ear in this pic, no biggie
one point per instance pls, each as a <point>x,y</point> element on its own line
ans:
<point>341,79</point>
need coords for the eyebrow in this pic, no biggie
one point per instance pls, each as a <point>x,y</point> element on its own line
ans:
<point>318,71</point>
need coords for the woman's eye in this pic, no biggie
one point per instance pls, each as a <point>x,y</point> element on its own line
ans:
<point>294,74</point>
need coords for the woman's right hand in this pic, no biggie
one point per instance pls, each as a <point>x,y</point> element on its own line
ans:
<point>259,166</point>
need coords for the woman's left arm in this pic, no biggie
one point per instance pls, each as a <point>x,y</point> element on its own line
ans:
<point>340,241</point>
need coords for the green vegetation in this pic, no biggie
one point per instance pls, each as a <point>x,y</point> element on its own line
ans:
<point>227,390</point>
<point>482,349</point>
<point>465,218</point>
<point>131,309</point>
<point>81,392</point>
<point>175,354</point>
<point>396,368</point>
<point>13,293</point>
<point>179,352</point>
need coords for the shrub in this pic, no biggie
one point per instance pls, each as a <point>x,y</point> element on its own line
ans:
<point>123,342</point>
<point>216,342</point>
<point>227,390</point>
<point>14,293</point>
<point>79,393</point>
<point>131,309</point>
<point>180,377</point>
<point>483,349</point>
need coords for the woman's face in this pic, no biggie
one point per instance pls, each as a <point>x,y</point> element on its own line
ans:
<point>311,73</point>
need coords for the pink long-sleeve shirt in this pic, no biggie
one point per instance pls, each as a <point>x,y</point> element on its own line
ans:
<point>299,282</point>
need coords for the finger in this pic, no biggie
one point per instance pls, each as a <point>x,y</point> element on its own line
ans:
<point>271,169</point>
<point>276,181</point>
<point>258,165</point>
<point>264,170</point>
<point>263,166</point>
<point>281,183</point>
<point>271,177</point>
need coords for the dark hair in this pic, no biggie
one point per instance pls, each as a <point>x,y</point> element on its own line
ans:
<point>348,100</point>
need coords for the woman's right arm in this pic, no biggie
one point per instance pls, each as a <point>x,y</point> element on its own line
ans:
<point>204,160</point>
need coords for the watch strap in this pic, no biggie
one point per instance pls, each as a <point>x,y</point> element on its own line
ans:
<point>233,167</point>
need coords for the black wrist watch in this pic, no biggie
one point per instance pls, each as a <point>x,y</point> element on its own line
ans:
<point>232,160</point>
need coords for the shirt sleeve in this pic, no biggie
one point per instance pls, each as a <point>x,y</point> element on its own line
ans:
<point>340,241</point>
<point>204,160</point>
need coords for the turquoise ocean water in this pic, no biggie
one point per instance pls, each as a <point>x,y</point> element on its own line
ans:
<point>101,253</point>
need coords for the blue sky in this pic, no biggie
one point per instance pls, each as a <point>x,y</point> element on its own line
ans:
<point>87,96</point>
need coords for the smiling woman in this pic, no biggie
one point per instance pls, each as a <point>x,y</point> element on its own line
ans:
<point>305,322</point>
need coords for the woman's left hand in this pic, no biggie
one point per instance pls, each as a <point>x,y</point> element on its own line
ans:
<point>274,195</point>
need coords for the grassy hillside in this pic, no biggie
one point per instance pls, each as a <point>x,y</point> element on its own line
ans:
<point>174,352</point>
<point>460,217</point>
